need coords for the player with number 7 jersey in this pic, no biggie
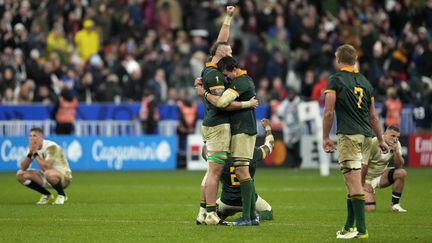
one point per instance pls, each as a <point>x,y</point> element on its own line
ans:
<point>350,94</point>
<point>353,100</point>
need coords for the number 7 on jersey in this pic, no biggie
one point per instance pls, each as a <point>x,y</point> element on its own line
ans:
<point>359,91</point>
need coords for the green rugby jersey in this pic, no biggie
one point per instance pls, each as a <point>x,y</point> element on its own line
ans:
<point>353,99</point>
<point>243,121</point>
<point>212,78</point>
<point>231,194</point>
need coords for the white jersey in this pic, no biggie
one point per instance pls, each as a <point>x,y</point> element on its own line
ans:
<point>52,151</point>
<point>378,161</point>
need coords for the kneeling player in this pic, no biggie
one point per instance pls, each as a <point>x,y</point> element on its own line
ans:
<point>230,201</point>
<point>378,175</point>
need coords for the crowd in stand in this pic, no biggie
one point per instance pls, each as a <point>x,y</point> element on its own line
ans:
<point>119,50</point>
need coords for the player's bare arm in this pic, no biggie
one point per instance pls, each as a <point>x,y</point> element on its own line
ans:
<point>374,122</point>
<point>268,146</point>
<point>215,97</point>
<point>43,164</point>
<point>330,101</point>
<point>397,155</point>
<point>25,162</point>
<point>223,35</point>
<point>238,105</point>
<point>198,82</point>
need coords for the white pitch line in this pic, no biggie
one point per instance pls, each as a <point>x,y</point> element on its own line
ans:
<point>192,222</point>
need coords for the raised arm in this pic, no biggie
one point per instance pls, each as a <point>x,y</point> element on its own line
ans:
<point>225,29</point>
<point>268,145</point>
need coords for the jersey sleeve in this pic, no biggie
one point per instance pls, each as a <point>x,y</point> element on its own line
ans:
<point>52,152</point>
<point>238,87</point>
<point>214,80</point>
<point>332,84</point>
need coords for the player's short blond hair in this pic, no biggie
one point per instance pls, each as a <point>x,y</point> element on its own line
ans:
<point>346,54</point>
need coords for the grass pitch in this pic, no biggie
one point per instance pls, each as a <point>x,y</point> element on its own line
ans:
<point>161,206</point>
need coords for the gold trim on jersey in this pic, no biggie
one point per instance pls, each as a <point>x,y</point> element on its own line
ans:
<point>329,91</point>
<point>242,72</point>
<point>234,92</point>
<point>217,87</point>
<point>349,69</point>
<point>210,64</point>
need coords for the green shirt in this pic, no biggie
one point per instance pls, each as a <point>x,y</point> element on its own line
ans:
<point>244,120</point>
<point>212,78</point>
<point>353,100</point>
<point>231,194</point>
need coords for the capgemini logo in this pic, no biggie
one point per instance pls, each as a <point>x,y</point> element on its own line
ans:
<point>115,155</point>
<point>74,151</point>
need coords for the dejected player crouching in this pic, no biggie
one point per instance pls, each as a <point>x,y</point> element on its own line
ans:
<point>54,168</point>
<point>378,175</point>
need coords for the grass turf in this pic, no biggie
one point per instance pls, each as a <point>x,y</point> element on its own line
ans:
<point>161,206</point>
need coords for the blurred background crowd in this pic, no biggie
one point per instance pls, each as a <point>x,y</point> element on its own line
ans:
<point>127,50</point>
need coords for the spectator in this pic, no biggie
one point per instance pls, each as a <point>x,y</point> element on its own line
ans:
<point>44,95</point>
<point>286,39</point>
<point>319,87</point>
<point>8,96</point>
<point>149,112</point>
<point>158,85</point>
<point>86,89</point>
<point>422,113</point>
<point>56,42</point>
<point>87,40</point>
<point>25,92</point>
<point>64,112</point>
<point>113,91</point>
<point>392,108</point>
<point>187,122</point>
<point>292,127</point>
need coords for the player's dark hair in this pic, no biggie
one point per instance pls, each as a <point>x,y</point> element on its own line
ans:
<point>37,129</point>
<point>215,47</point>
<point>347,54</point>
<point>394,128</point>
<point>227,64</point>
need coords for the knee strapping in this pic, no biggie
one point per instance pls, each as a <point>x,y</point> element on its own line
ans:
<point>240,163</point>
<point>347,170</point>
<point>219,158</point>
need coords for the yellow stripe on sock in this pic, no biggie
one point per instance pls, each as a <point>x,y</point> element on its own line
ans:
<point>359,197</point>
